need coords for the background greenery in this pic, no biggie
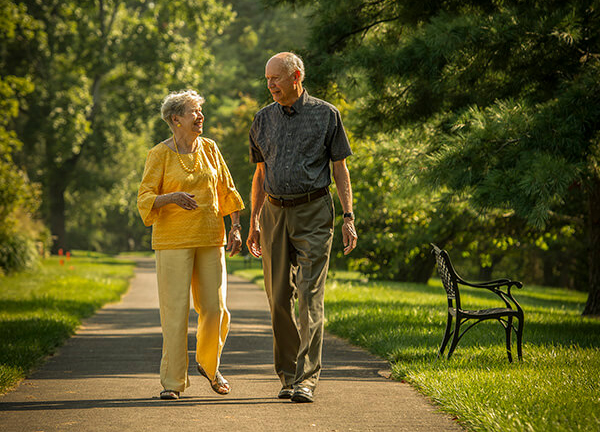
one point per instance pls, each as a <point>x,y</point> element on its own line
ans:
<point>474,124</point>
<point>40,310</point>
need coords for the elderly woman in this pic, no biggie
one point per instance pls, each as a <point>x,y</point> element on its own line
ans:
<point>185,192</point>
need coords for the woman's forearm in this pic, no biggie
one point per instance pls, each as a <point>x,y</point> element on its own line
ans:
<point>162,200</point>
<point>235,218</point>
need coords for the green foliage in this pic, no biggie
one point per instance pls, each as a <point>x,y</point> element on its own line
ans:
<point>235,86</point>
<point>510,95</point>
<point>516,84</point>
<point>110,221</point>
<point>18,196</point>
<point>100,70</point>
<point>555,388</point>
<point>40,310</point>
<point>17,252</point>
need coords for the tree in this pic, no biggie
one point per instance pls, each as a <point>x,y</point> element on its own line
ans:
<point>18,196</point>
<point>235,87</point>
<point>100,69</point>
<point>511,88</point>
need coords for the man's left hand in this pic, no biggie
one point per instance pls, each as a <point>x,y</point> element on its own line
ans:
<point>349,235</point>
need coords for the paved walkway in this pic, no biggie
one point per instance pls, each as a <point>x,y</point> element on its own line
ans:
<point>105,378</point>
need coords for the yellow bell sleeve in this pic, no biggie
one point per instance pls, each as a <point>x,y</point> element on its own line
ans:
<point>229,199</point>
<point>149,187</point>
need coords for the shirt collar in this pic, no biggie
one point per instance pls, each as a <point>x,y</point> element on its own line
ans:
<point>296,106</point>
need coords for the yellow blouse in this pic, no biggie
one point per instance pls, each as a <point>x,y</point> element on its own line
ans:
<point>212,187</point>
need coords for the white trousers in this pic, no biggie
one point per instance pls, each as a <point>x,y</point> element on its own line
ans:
<point>204,270</point>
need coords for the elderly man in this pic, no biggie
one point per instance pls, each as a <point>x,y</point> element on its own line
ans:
<point>292,142</point>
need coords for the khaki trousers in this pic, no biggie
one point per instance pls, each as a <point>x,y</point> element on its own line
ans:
<point>296,243</point>
<point>204,270</point>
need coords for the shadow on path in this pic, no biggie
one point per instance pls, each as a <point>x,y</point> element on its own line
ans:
<point>106,378</point>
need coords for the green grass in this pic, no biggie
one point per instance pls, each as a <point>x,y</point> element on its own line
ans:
<point>555,388</point>
<point>246,267</point>
<point>39,310</point>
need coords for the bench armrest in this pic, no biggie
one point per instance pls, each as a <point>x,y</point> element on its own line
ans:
<point>494,286</point>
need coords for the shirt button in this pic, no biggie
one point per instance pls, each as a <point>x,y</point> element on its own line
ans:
<point>289,134</point>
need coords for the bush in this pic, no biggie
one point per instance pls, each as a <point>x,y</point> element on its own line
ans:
<point>18,251</point>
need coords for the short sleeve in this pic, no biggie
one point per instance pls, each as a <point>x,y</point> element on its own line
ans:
<point>229,199</point>
<point>256,155</point>
<point>150,188</point>
<point>339,144</point>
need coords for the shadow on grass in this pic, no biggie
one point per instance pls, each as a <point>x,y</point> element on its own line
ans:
<point>26,341</point>
<point>393,329</point>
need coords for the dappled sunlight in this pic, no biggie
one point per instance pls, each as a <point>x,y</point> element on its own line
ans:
<point>404,323</point>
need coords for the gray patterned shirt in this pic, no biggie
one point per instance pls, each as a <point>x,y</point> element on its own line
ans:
<point>296,147</point>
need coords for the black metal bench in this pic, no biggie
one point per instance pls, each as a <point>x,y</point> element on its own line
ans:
<point>505,316</point>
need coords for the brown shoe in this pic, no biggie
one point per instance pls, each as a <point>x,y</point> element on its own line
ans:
<point>285,393</point>
<point>303,395</point>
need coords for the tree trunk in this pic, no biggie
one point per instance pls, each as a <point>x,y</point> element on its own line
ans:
<point>485,273</point>
<point>56,218</point>
<point>422,267</point>
<point>592,307</point>
<point>549,276</point>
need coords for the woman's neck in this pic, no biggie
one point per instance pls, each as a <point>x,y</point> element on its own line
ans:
<point>186,143</point>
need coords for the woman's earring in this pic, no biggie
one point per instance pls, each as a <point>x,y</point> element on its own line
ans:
<point>178,124</point>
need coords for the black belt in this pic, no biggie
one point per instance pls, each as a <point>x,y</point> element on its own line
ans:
<point>292,202</point>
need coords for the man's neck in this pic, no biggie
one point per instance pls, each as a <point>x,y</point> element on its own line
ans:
<point>290,102</point>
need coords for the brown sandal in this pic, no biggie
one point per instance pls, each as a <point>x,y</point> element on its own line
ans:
<point>220,385</point>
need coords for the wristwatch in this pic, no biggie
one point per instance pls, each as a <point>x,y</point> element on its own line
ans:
<point>349,215</point>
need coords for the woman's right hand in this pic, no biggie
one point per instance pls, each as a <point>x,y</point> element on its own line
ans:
<point>184,200</point>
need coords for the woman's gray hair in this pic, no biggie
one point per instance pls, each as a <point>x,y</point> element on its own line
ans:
<point>176,102</point>
<point>292,62</point>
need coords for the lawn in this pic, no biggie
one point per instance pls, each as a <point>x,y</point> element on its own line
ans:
<point>555,388</point>
<point>40,309</point>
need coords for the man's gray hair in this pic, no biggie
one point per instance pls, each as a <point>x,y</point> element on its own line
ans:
<point>176,102</point>
<point>292,62</point>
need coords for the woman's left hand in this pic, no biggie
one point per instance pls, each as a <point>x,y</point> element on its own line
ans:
<point>234,241</point>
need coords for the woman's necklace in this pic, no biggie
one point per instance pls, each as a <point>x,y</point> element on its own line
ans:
<point>196,159</point>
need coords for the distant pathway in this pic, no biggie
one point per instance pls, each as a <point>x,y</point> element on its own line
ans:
<point>105,378</point>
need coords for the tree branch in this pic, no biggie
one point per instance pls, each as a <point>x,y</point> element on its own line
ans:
<point>364,28</point>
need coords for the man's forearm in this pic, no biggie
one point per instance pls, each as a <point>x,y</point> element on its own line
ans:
<point>341,175</point>
<point>258,196</point>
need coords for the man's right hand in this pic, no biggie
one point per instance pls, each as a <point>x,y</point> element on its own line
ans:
<point>253,242</point>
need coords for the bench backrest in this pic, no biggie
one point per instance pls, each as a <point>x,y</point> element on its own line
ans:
<point>447,274</point>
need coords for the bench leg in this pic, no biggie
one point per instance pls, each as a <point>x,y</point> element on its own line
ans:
<point>455,337</point>
<point>520,337</point>
<point>447,334</point>
<point>508,329</point>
